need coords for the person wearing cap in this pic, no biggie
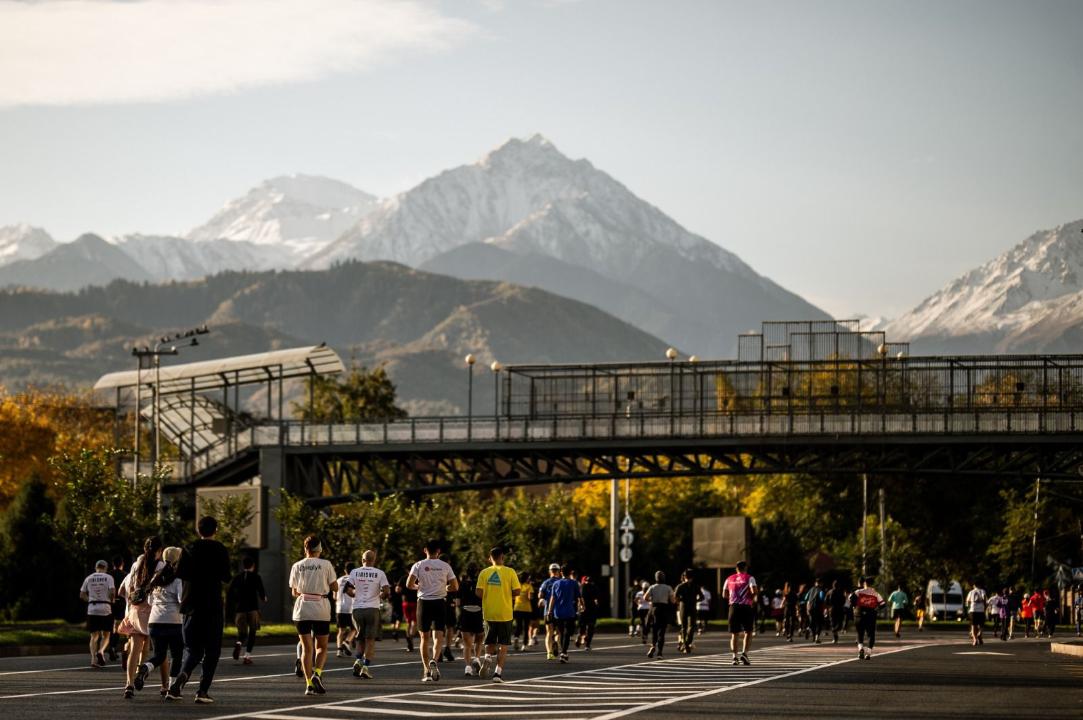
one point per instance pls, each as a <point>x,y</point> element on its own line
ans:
<point>543,601</point>
<point>565,603</point>
<point>204,568</point>
<point>98,592</point>
<point>165,622</point>
<point>312,580</point>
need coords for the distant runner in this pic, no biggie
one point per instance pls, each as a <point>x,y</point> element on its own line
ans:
<point>866,602</point>
<point>498,586</point>
<point>311,579</point>
<point>543,603</point>
<point>523,611</point>
<point>588,619</point>
<point>814,605</point>
<point>898,601</point>
<point>471,622</point>
<point>98,592</point>
<point>688,595</point>
<point>565,602</point>
<point>836,602</point>
<point>703,610</point>
<point>247,594</point>
<point>433,579</point>
<point>740,591</point>
<point>344,615</point>
<point>975,606</point>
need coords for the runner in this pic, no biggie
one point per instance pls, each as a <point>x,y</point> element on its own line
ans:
<point>688,594</point>
<point>703,610</point>
<point>1077,605</point>
<point>346,634</point>
<point>1015,606</point>
<point>661,599</point>
<point>369,585</point>
<point>136,590</point>
<point>433,579</point>
<point>919,609</point>
<point>632,607</point>
<point>643,609</point>
<point>99,593</point>
<point>409,611</point>
<point>203,568</point>
<point>836,602</point>
<point>246,593</point>
<point>999,606</point>
<point>471,624</point>
<point>975,606</point>
<point>898,601</point>
<point>588,620</point>
<point>789,612</point>
<point>740,592</point>
<point>777,613</point>
<point>814,606</point>
<point>565,602</point>
<point>866,602</point>
<point>497,586</point>
<point>311,579</point>
<point>1037,606</point>
<point>1026,614</point>
<point>543,602</point>
<point>395,601</point>
<point>523,611</point>
<point>120,605</point>
<point>164,622</point>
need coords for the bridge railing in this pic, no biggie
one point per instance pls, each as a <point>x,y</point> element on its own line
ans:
<point>463,430</point>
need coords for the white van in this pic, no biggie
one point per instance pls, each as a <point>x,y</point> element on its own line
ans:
<point>944,607</point>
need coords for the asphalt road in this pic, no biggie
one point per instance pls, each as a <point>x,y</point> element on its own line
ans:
<point>921,676</point>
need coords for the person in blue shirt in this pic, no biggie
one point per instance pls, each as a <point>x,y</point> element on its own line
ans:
<point>814,604</point>
<point>543,601</point>
<point>564,605</point>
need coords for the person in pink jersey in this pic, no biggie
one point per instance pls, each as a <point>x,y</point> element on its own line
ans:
<point>740,591</point>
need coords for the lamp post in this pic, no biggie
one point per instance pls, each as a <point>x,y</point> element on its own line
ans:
<point>496,367</point>
<point>697,399</point>
<point>671,355</point>
<point>470,360</point>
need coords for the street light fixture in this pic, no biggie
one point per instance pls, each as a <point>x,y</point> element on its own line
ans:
<point>470,360</point>
<point>671,355</point>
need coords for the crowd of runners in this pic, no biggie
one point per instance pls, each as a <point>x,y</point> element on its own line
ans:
<point>169,607</point>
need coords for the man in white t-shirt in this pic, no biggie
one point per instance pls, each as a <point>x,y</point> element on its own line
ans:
<point>703,610</point>
<point>369,586</point>
<point>975,607</point>
<point>344,615</point>
<point>98,592</point>
<point>433,579</point>
<point>311,581</point>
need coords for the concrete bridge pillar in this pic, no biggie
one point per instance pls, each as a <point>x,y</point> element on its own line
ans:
<point>273,562</point>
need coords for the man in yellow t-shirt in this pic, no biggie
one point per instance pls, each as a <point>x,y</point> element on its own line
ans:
<point>498,586</point>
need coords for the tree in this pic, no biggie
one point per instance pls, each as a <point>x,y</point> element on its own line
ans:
<point>34,568</point>
<point>234,514</point>
<point>363,395</point>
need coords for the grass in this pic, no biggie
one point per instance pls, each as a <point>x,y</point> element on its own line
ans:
<point>59,632</point>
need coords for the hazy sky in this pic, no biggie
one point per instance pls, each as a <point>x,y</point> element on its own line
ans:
<point>859,153</point>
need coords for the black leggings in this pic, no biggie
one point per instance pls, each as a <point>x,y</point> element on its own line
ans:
<point>587,624</point>
<point>866,625</point>
<point>522,624</point>
<point>659,621</point>
<point>166,638</point>
<point>688,626</point>
<point>565,630</point>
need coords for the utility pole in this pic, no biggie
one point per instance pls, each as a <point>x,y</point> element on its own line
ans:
<point>882,578</point>
<point>1034,537</point>
<point>864,523</point>
<point>614,567</point>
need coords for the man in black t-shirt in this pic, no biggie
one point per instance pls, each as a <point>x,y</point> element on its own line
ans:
<point>246,594</point>
<point>204,567</point>
<point>836,602</point>
<point>688,595</point>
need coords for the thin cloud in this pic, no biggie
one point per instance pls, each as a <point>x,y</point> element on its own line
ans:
<point>73,52</point>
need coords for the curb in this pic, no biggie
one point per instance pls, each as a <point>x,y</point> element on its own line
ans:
<point>1069,648</point>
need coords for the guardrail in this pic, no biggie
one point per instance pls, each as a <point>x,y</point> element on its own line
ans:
<point>459,430</point>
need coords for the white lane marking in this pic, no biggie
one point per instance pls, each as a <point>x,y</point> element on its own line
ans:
<point>88,667</point>
<point>708,693</point>
<point>981,652</point>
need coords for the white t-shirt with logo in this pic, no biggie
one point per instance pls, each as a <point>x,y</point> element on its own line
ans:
<point>368,583</point>
<point>165,603</point>
<point>433,577</point>
<point>975,601</point>
<point>705,602</point>
<point>313,579</point>
<point>98,586</point>
<point>345,602</point>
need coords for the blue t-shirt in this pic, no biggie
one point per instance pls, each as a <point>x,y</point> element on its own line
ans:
<point>565,592</point>
<point>546,587</point>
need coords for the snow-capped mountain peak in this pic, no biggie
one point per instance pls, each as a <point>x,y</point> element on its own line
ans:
<point>1005,294</point>
<point>301,213</point>
<point>23,242</point>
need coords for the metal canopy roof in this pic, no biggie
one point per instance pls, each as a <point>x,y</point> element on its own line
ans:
<point>188,421</point>
<point>230,371</point>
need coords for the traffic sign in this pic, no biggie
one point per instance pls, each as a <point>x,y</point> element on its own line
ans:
<point>627,538</point>
<point>626,554</point>
<point>627,523</point>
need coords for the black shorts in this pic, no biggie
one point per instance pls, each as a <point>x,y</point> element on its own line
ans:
<point>498,633</point>
<point>470,622</point>
<point>977,618</point>
<point>432,615</point>
<point>119,608</point>
<point>344,620</point>
<point>99,623</point>
<point>741,618</point>
<point>318,628</point>
<point>898,614</point>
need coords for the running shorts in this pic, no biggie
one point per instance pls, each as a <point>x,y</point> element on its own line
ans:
<point>343,620</point>
<point>432,615</point>
<point>368,622</point>
<point>319,628</point>
<point>977,618</point>
<point>470,622</point>
<point>498,633</point>
<point>99,623</point>
<point>741,618</point>
<point>897,614</point>
<point>409,611</point>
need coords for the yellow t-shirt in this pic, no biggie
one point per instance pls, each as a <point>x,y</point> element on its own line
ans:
<point>522,600</point>
<point>496,583</point>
